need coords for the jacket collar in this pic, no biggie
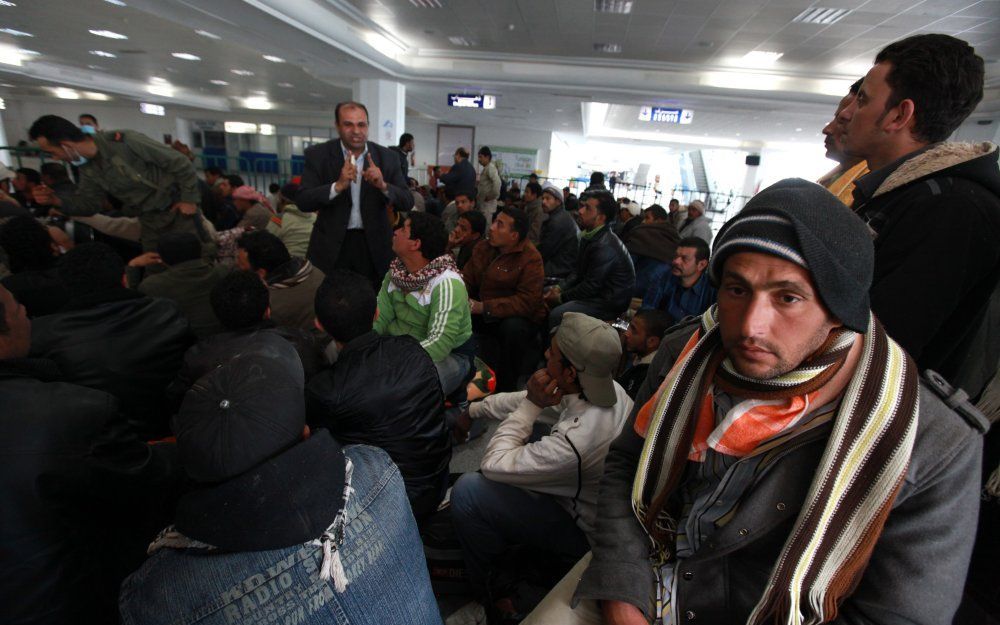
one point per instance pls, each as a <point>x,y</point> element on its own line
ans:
<point>105,296</point>
<point>359,342</point>
<point>289,500</point>
<point>921,163</point>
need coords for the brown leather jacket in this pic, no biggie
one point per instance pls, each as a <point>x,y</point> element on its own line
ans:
<point>509,285</point>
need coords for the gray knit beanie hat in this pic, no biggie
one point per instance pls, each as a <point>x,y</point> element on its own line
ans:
<point>803,223</point>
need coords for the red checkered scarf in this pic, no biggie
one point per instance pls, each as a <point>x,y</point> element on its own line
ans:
<point>857,480</point>
<point>409,282</point>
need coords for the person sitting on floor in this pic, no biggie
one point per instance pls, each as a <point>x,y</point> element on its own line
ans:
<point>542,494</point>
<point>31,257</point>
<point>687,291</point>
<point>381,391</point>
<point>291,280</point>
<point>642,339</point>
<point>468,231</point>
<point>283,524</point>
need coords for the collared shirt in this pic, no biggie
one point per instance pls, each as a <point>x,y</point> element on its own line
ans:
<point>354,222</point>
<point>679,302</point>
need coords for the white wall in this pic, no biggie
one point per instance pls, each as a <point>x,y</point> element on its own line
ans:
<point>425,137</point>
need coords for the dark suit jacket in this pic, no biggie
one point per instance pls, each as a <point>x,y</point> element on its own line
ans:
<point>322,168</point>
<point>460,178</point>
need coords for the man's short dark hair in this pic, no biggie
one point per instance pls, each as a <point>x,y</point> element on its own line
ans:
<point>572,203</point>
<point>235,180</point>
<point>673,201</point>
<point>429,230</point>
<point>404,139</point>
<point>941,74</point>
<point>521,221</point>
<point>699,245</point>
<point>274,187</point>
<point>351,104</point>
<point>476,220</point>
<point>856,87</point>
<point>462,152</point>
<point>656,321</point>
<point>606,204</point>
<point>31,174</point>
<point>345,305</point>
<point>178,247</point>
<point>55,170</point>
<point>658,212</point>
<point>485,151</point>
<point>596,178</point>
<point>533,176</point>
<point>264,250</point>
<point>468,194</point>
<point>55,129</point>
<point>27,244</point>
<point>88,116</point>
<point>535,188</point>
<point>91,268</point>
<point>240,300</point>
<point>215,171</point>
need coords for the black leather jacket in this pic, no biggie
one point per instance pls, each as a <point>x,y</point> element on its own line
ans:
<point>604,273</point>
<point>69,528</point>
<point>120,342</point>
<point>384,391</point>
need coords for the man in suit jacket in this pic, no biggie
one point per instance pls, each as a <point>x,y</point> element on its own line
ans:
<point>353,230</point>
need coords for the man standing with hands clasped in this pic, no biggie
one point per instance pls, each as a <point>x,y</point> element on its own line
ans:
<point>352,183</point>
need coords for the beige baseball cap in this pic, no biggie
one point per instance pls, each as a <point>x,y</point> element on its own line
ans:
<point>594,349</point>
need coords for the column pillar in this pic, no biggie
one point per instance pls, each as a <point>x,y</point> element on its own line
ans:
<point>386,103</point>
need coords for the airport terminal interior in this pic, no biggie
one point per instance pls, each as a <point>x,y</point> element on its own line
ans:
<point>499,311</point>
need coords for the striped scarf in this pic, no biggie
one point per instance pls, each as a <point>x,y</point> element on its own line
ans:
<point>408,282</point>
<point>856,482</point>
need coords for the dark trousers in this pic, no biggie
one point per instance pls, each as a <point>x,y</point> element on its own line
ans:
<point>491,517</point>
<point>508,345</point>
<point>354,256</point>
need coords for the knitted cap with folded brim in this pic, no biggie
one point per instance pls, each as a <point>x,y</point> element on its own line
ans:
<point>594,349</point>
<point>802,222</point>
<point>553,190</point>
<point>243,412</point>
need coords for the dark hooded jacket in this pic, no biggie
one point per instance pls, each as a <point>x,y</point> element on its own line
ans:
<point>384,391</point>
<point>936,219</point>
<point>559,243</point>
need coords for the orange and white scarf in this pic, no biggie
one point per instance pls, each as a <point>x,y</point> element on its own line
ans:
<point>855,484</point>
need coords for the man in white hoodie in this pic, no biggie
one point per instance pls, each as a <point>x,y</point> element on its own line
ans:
<point>543,494</point>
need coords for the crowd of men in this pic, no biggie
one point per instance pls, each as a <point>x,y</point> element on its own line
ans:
<point>223,406</point>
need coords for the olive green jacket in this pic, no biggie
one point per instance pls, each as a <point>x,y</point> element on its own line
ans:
<point>145,175</point>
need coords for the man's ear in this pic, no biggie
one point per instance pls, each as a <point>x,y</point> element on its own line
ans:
<point>263,274</point>
<point>652,343</point>
<point>903,117</point>
<point>701,264</point>
<point>125,280</point>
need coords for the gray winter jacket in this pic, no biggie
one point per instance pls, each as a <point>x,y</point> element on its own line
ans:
<point>915,575</point>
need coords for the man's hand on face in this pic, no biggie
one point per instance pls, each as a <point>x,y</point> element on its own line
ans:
<point>621,613</point>
<point>45,196</point>
<point>373,175</point>
<point>348,174</point>
<point>543,391</point>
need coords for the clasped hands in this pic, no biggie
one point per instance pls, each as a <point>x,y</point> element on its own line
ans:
<point>349,173</point>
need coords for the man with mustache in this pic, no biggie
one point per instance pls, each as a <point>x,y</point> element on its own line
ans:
<point>840,180</point>
<point>785,462</point>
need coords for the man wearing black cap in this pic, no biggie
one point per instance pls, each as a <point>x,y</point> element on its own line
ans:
<point>283,526</point>
<point>784,460</point>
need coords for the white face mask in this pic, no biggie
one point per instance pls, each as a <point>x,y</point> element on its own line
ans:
<point>78,160</point>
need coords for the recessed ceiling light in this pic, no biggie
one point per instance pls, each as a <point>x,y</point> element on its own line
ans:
<point>613,6</point>
<point>185,56</point>
<point>4,3</point>
<point>798,130</point>
<point>242,72</point>
<point>102,53</point>
<point>610,48</point>
<point>426,4</point>
<point>117,3</point>
<point>15,32</point>
<point>110,34</point>
<point>156,80</point>
<point>205,33</point>
<point>164,90</point>
<point>30,52</point>
<point>316,95</point>
<point>273,59</point>
<point>66,94</point>
<point>221,83</point>
<point>460,41</point>
<point>762,57</point>
<point>286,85</point>
<point>259,103</point>
<point>95,95</point>
<point>819,15</point>
<point>97,67</point>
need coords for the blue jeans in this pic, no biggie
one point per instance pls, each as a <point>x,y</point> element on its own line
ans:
<point>491,517</point>
<point>452,371</point>
<point>381,553</point>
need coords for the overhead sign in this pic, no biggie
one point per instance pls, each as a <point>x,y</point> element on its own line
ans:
<point>151,109</point>
<point>472,101</point>
<point>667,116</point>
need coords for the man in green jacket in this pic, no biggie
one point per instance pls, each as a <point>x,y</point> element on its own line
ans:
<point>423,295</point>
<point>155,183</point>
